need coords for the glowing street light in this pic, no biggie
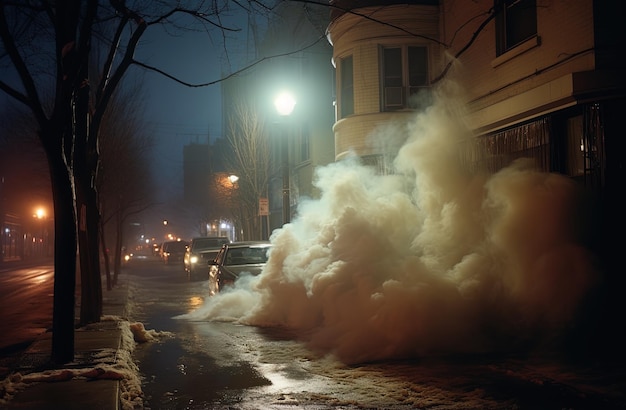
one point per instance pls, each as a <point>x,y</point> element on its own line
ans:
<point>285,103</point>
<point>39,243</point>
<point>40,213</point>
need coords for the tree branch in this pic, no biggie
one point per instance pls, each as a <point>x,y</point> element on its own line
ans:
<point>443,73</point>
<point>233,74</point>
<point>365,16</point>
<point>31,99</point>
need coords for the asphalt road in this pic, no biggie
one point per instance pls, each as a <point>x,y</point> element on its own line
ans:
<point>26,296</point>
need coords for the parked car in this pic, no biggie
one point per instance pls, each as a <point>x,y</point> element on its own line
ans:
<point>235,259</point>
<point>173,251</point>
<point>200,252</point>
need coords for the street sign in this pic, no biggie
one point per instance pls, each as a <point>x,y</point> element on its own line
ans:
<point>264,207</point>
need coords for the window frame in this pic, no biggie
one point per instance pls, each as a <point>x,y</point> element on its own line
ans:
<point>400,83</point>
<point>516,22</point>
<point>346,86</point>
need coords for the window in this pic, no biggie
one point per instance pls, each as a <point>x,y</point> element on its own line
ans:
<point>346,97</point>
<point>404,74</point>
<point>576,146</point>
<point>516,22</point>
<point>585,135</point>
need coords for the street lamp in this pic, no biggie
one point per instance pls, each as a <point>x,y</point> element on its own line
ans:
<point>38,238</point>
<point>285,104</point>
<point>235,203</point>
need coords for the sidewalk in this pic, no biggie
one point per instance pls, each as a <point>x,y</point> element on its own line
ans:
<point>100,376</point>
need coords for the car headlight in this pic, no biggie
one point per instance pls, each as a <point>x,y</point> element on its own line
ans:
<point>193,259</point>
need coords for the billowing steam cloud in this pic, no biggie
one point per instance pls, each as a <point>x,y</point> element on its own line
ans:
<point>429,260</point>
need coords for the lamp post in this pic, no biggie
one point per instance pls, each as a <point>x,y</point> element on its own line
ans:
<point>38,239</point>
<point>235,203</point>
<point>285,104</point>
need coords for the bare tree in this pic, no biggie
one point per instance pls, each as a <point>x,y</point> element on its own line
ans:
<point>248,137</point>
<point>124,185</point>
<point>55,132</point>
<point>48,45</point>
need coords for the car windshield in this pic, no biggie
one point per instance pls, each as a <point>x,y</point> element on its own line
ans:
<point>207,243</point>
<point>247,256</point>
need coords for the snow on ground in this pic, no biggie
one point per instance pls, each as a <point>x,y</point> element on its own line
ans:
<point>112,364</point>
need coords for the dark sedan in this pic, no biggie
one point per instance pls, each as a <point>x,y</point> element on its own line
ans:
<point>173,252</point>
<point>200,252</point>
<point>236,259</point>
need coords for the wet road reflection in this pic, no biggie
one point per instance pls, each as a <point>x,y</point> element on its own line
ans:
<point>177,377</point>
<point>26,296</point>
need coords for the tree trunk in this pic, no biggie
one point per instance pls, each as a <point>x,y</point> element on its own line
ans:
<point>85,168</point>
<point>91,284</point>
<point>88,237</point>
<point>64,250</point>
<point>119,236</point>
<point>105,256</point>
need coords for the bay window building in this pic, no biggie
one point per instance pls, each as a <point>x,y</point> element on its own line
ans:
<point>384,54</point>
<point>542,80</point>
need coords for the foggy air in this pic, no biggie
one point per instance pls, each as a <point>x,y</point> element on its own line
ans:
<point>428,260</point>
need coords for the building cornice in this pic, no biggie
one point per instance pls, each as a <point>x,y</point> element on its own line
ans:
<point>563,92</point>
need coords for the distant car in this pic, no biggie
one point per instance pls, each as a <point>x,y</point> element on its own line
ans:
<point>234,260</point>
<point>173,251</point>
<point>200,252</point>
<point>161,251</point>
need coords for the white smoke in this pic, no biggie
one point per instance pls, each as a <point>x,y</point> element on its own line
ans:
<point>429,260</point>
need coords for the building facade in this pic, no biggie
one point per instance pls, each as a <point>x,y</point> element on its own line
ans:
<point>542,79</point>
<point>385,55</point>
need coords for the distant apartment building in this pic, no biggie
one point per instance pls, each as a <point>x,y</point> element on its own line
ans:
<point>204,204</point>
<point>196,174</point>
